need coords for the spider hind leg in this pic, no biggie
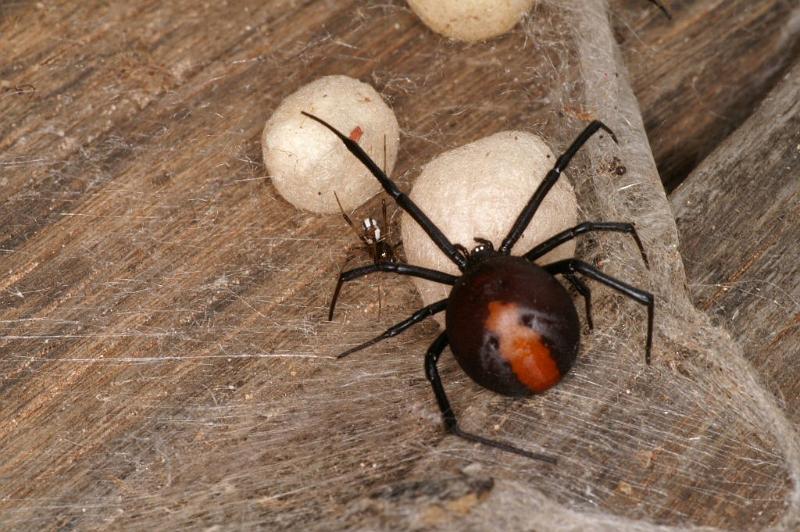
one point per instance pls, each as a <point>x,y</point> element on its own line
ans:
<point>572,266</point>
<point>449,417</point>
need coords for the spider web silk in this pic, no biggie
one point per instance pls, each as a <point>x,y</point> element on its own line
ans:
<point>203,392</point>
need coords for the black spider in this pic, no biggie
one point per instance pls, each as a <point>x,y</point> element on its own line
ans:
<point>510,324</point>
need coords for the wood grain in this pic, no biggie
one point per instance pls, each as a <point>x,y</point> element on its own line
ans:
<point>164,357</point>
<point>163,310</point>
<point>701,75</point>
<point>745,199</point>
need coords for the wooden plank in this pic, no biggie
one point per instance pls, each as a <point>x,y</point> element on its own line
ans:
<point>700,76</point>
<point>163,311</point>
<point>163,351</point>
<point>739,219</point>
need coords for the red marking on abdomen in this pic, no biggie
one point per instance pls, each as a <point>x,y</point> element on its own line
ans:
<point>522,347</point>
<point>356,133</point>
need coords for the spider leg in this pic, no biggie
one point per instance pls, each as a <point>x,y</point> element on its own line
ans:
<point>402,200</point>
<point>397,328</point>
<point>645,298</point>
<point>583,290</point>
<point>347,260</point>
<point>662,7</point>
<point>393,267</point>
<point>349,222</point>
<point>385,217</point>
<point>449,418</point>
<point>585,227</point>
<point>547,183</point>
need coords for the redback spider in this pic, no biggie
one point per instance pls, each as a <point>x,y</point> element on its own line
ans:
<point>510,324</point>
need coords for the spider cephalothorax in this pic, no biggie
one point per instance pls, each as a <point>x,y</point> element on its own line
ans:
<point>510,324</point>
<point>483,250</point>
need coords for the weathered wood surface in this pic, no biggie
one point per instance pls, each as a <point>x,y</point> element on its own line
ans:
<point>745,199</point>
<point>699,77</point>
<point>162,333</point>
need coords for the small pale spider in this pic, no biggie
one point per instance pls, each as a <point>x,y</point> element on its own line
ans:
<point>375,242</point>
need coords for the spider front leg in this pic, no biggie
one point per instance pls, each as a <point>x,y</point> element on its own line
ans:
<point>585,227</point>
<point>394,330</point>
<point>393,267</point>
<point>571,266</point>
<point>406,203</point>
<point>449,418</point>
<point>547,183</point>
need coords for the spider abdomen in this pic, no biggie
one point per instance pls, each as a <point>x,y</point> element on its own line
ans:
<point>512,327</point>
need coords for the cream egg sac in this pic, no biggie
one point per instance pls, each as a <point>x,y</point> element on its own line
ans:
<point>478,190</point>
<point>470,20</point>
<point>307,164</point>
